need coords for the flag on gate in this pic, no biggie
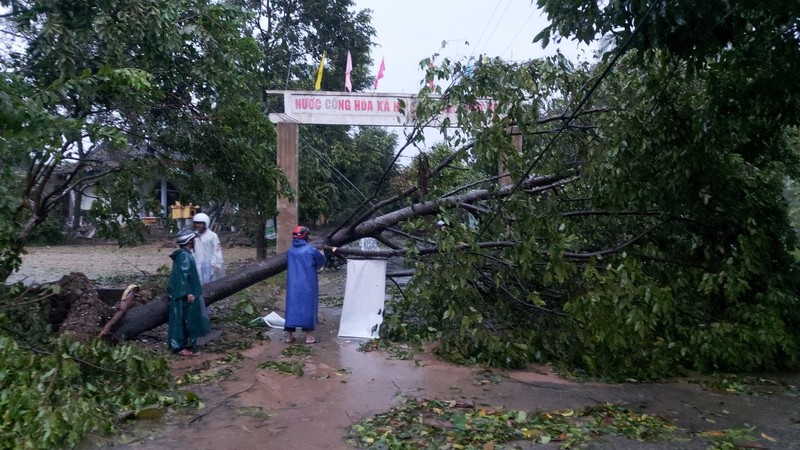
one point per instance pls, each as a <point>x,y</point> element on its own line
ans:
<point>318,84</point>
<point>380,74</point>
<point>347,83</point>
<point>431,83</point>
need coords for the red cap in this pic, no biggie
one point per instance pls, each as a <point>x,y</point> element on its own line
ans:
<point>300,232</point>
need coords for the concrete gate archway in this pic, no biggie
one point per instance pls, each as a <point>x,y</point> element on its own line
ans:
<point>336,108</point>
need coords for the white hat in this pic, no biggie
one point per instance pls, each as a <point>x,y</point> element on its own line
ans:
<point>202,217</point>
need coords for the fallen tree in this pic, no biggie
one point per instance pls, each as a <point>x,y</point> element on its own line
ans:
<point>659,241</point>
<point>155,313</point>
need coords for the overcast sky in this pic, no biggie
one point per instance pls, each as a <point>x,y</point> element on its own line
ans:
<point>411,30</point>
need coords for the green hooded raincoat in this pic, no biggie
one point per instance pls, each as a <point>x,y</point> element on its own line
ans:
<point>186,320</point>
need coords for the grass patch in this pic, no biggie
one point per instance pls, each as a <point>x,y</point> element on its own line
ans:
<point>279,279</point>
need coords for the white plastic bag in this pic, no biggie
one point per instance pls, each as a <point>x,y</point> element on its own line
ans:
<point>274,320</point>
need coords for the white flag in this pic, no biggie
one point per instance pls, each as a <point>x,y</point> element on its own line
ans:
<point>347,84</point>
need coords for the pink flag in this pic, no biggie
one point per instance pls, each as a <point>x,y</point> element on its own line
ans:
<point>380,75</point>
<point>432,84</point>
<point>347,84</point>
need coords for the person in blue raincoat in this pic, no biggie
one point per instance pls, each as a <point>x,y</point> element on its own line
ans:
<point>186,319</point>
<point>302,286</point>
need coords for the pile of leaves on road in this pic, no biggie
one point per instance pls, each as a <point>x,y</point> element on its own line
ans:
<point>453,424</point>
<point>460,424</point>
<point>291,360</point>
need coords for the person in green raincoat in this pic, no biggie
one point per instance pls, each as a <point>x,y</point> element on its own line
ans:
<point>186,319</point>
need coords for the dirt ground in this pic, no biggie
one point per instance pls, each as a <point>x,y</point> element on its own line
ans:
<point>246,405</point>
<point>108,263</point>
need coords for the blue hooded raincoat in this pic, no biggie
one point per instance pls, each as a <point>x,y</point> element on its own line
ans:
<point>302,287</point>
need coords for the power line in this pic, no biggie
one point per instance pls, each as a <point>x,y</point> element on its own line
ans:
<point>518,32</point>
<point>485,27</point>
<point>499,21</point>
<point>327,162</point>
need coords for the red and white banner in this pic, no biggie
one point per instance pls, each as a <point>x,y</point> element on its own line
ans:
<point>361,108</point>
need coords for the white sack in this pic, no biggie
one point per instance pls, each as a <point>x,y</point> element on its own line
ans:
<point>274,320</point>
<point>364,295</point>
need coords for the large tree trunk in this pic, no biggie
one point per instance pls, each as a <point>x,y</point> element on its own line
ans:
<point>155,313</point>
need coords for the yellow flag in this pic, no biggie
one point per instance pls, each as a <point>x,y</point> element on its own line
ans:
<point>319,72</point>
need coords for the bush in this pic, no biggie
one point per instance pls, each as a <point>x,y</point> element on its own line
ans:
<point>50,232</point>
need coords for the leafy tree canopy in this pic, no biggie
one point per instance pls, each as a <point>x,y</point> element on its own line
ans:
<point>659,237</point>
<point>339,175</point>
<point>293,35</point>
<point>123,89</point>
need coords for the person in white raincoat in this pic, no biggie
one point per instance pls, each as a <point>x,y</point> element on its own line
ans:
<point>207,250</point>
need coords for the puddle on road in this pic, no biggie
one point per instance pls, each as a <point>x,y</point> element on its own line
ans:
<point>340,386</point>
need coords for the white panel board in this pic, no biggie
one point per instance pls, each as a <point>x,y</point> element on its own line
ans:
<point>364,296</point>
